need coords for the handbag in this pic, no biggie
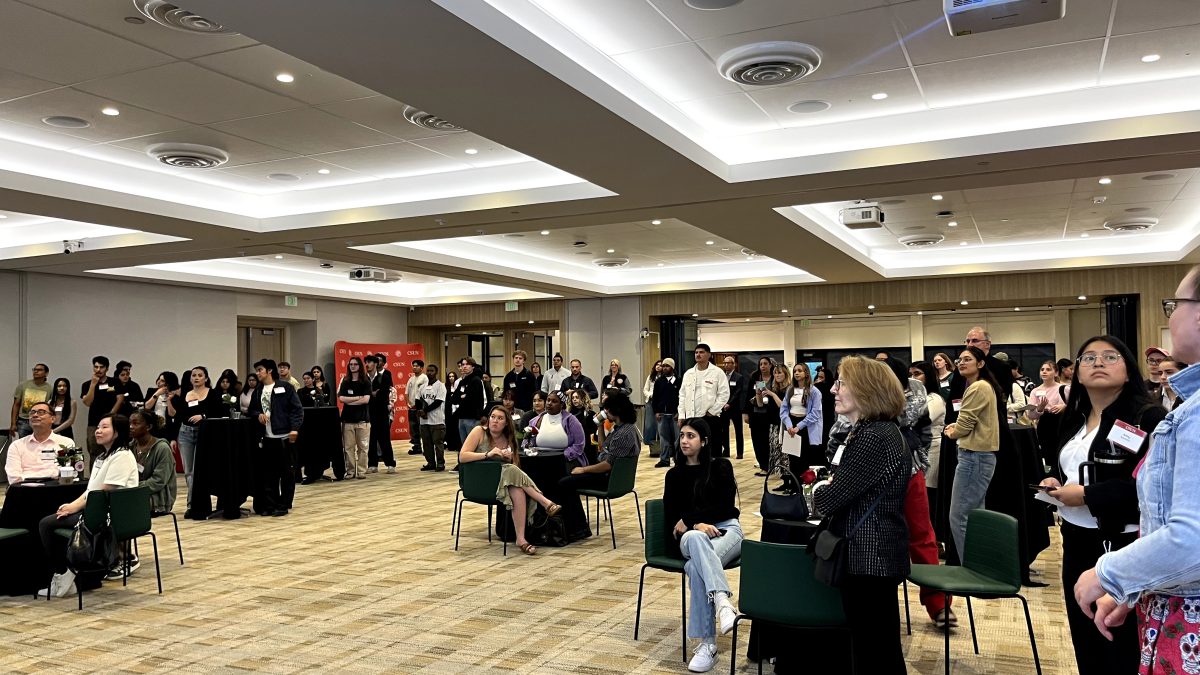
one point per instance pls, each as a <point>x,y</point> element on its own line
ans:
<point>89,551</point>
<point>783,507</point>
<point>831,553</point>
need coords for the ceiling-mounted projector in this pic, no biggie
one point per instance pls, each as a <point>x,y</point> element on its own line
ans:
<point>862,216</point>
<point>966,17</point>
<point>368,274</point>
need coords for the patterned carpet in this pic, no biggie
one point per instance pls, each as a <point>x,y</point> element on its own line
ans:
<point>362,577</point>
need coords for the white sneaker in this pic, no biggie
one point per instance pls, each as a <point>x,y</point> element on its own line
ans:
<point>373,469</point>
<point>704,657</point>
<point>391,469</point>
<point>726,613</point>
<point>62,585</point>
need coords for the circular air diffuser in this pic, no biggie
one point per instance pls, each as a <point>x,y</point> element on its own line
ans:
<point>171,16</point>
<point>768,63</point>
<point>66,122</point>
<point>610,262</point>
<point>1130,224</point>
<point>424,119</point>
<point>187,155</point>
<point>922,240</point>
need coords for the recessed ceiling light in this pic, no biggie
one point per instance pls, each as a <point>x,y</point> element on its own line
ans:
<point>963,302</point>
<point>709,5</point>
<point>471,151</point>
<point>110,111</point>
<point>808,107</point>
<point>545,232</point>
<point>920,313</point>
<point>659,265</point>
<point>279,257</point>
<point>829,317</point>
<point>135,20</point>
<point>1083,297</point>
<point>610,250</point>
<point>1085,235</point>
<point>937,198</point>
<point>1016,309</point>
<point>695,315</point>
<point>784,311</point>
<point>285,77</point>
<point>1105,181</point>
<point>1159,176</point>
<point>870,306</point>
<point>656,222</point>
<point>747,319</point>
<point>458,325</point>
<point>962,243</point>
<point>531,321</point>
<point>440,280</point>
<point>710,242</point>
<point>1004,220</point>
<point>1150,58</point>
<point>323,172</point>
<point>284,177</point>
<point>724,249</point>
<point>2,216</point>
<point>953,223</point>
<point>879,96</point>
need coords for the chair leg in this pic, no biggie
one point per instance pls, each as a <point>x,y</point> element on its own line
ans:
<point>79,592</point>
<point>490,523</point>
<point>157,571</point>
<point>947,630</point>
<point>637,618</point>
<point>459,530</point>
<point>683,615</point>
<point>971,617</point>
<point>733,647</point>
<point>608,513</point>
<point>178,541</point>
<point>638,504</point>
<point>907,616</point>
<point>125,566</point>
<point>454,511</point>
<point>1032,641</point>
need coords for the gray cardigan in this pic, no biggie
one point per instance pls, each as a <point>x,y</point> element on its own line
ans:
<point>156,471</point>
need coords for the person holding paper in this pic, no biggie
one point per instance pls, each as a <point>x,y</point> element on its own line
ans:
<point>1104,434</point>
<point>800,425</point>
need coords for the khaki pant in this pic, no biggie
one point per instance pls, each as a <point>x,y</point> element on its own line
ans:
<point>356,439</point>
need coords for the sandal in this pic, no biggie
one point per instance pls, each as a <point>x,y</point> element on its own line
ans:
<point>527,548</point>
<point>552,510</point>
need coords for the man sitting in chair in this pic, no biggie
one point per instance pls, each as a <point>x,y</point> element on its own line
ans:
<point>623,440</point>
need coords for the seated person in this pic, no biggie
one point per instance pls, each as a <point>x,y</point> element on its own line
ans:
<point>497,442</point>
<point>698,502</point>
<point>35,455</point>
<point>509,401</point>
<point>623,441</point>
<point>115,467</point>
<point>156,463</point>
<point>556,429</point>
<point>539,407</point>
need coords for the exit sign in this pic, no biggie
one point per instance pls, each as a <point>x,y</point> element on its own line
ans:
<point>510,306</point>
<point>805,323</point>
<point>291,301</point>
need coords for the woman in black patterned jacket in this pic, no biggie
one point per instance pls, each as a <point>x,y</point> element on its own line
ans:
<point>868,488</point>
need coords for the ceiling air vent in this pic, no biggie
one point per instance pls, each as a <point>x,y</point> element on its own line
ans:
<point>171,16</point>
<point>424,119</point>
<point>1130,224</point>
<point>750,253</point>
<point>610,262</point>
<point>768,63</point>
<point>922,240</point>
<point>187,155</point>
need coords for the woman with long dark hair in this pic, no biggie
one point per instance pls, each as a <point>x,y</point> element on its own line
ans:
<point>761,411</point>
<point>354,393</point>
<point>1093,477</point>
<point>324,395</point>
<point>248,393</point>
<point>977,431</point>
<point>649,428</point>
<point>63,408</point>
<point>699,504</point>
<point>192,408</point>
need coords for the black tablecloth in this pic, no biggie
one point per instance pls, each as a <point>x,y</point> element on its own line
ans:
<point>23,567</point>
<point>545,469</point>
<point>224,466</point>
<point>320,443</point>
<point>1035,519</point>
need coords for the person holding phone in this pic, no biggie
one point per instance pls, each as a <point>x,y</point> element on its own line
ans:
<point>699,495</point>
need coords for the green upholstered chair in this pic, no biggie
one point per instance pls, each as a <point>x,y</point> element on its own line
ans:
<point>620,483</point>
<point>477,481</point>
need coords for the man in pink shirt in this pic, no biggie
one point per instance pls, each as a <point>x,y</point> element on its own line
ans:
<point>34,456</point>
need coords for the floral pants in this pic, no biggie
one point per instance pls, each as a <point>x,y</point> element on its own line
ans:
<point>1169,635</point>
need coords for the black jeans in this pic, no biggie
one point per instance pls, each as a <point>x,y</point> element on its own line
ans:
<point>734,417</point>
<point>414,430</point>
<point>574,519</point>
<point>1094,654</point>
<point>380,447</point>
<point>276,486</point>
<point>760,431</point>
<point>873,612</point>
<point>54,545</point>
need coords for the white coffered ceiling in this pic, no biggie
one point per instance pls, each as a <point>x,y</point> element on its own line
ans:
<point>589,121</point>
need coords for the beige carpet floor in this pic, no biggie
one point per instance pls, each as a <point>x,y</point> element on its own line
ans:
<point>362,577</point>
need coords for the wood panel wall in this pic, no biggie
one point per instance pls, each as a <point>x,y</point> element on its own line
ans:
<point>489,315</point>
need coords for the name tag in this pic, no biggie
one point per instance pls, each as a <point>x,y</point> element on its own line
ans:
<point>1126,436</point>
<point>957,403</point>
<point>104,387</point>
<point>58,408</point>
<point>278,390</point>
<point>193,404</point>
<point>313,392</point>
<point>837,456</point>
<point>512,385</point>
<point>141,468</point>
<point>48,454</point>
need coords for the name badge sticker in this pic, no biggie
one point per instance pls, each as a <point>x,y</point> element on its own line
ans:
<point>193,404</point>
<point>1126,436</point>
<point>957,403</point>
<point>58,408</point>
<point>837,457</point>
<point>278,390</point>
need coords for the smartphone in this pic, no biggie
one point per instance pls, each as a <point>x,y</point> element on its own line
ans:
<point>721,531</point>
<point>1042,488</point>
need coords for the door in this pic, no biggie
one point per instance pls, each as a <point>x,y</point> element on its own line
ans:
<point>262,342</point>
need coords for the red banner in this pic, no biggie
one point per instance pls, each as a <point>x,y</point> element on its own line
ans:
<point>399,359</point>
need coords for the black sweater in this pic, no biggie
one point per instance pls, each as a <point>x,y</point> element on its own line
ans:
<point>665,399</point>
<point>712,503</point>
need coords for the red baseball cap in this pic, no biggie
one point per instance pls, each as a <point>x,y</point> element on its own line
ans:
<point>1160,350</point>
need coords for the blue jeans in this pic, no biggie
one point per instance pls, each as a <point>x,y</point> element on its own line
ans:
<point>464,429</point>
<point>668,436</point>
<point>650,427</point>
<point>23,428</point>
<point>705,568</point>
<point>971,480</point>
<point>188,436</point>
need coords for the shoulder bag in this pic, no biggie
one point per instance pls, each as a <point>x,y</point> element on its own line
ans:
<point>831,553</point>
<point>791,507</point>
<point>89,551</point>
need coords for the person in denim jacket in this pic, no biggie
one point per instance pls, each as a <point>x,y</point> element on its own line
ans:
<point>1159,573</point>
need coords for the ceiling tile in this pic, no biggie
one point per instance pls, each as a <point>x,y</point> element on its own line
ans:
<point>1144,193</point>
<point>40,135</point>
<point>1020,192</point>
<point>306,131</point>
<point>1190,191</point>
<point>191,93</point>
<point>1176,47</point>
<point>455,146</point>
<point>303,167</point>
<point>754,15</point>
<point>13,85</point>
<point>393,160</point>
<point>49,47</point>
<point>1135,16</point>
<point>240,150</point>
<point>1015,206</point>
<point>109,16</point>
<point>65,101</point>
<point>615,26</point>
<point>851,44</point>
<point>728,114</point>
<point>677,73</point>
<point>849,98</point>
<point>382,114</point>
<point>1012,75</point>
<point>928,40</point>
<point>260,64</point>
<point>1134,180</point>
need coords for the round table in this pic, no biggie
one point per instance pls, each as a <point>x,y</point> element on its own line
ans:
<point>545,468</point>
<point>23,567</point>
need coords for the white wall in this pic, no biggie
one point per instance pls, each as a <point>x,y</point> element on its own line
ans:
<point>13,366</point>
<point>599,330</point>
<point>750,337</point>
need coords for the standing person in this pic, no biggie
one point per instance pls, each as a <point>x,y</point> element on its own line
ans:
<point>354,393</point>
<point>285,374</point>
<point>615,379</point>
<point>1170,398</point>
<point>699,496</point>
<point>453,440</point>
<point>380,449</point>
<point>1156,575</point>
<point>412,396</point>
<point>469,397</point>
<point>535,369</point>
<point>801,416</point>
<point>758,415</point>
<point>865,503</point>
<point>1154,359</point>
<point>977,431</point>
<point>132,391</point>
<point>520,382</point>
<point>665,405</point>
<point>433,420</point>
<point>229,389</point>
<point>649,424</point>
<point>923,372</point>
<point>63,408</point>
<point>704,390</point>
<point>247,393</point>
<point>324,395</point>
<point>731,412</point>
<point>581,407</point>
<point>622,441</point>
<point>101,397</point>
<point>158,400</point>
<point>278,409</point>
<point>27,393</point>
<point>777,393</point>
<point>577,380</point>
<point>943,366</point>
<point>1049,401</point>
<point>554,376</point>
<point>192,408</point>
<point>1093,478</point>
<point>34,455</point>
<point>307,391</point>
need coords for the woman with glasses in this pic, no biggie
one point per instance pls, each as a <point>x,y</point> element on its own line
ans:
<point>1092,476</point>
<point>977,431</point>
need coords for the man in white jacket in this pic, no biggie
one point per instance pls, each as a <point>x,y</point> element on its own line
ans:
<point>704,391</point>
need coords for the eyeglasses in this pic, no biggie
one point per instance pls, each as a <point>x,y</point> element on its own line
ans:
<point>1170,304</point>
<point>38,412</point>
<point>1154,362</point>
<point>1107,358</point>
<point>976,341</point>
<point>837,384</point>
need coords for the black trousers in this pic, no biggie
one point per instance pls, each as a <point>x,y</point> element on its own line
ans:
<point>760,432</point>
<point>453,442</point>
<point>276,486</point>
<point>414,429</point>
<point>728,417</point>
<point>574,519</point>
<point>873,612</point>
<point>380,447</point>
<point>1094,654</point>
